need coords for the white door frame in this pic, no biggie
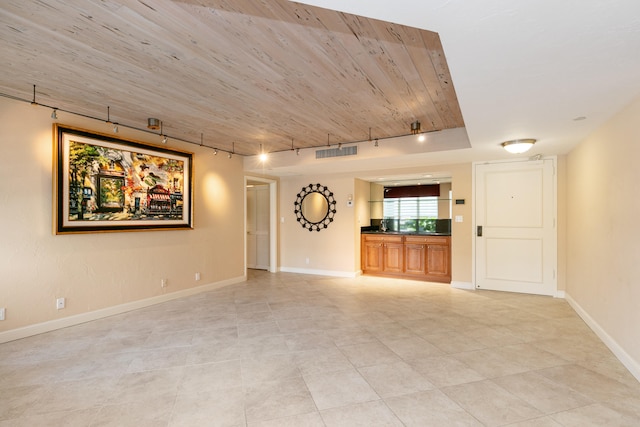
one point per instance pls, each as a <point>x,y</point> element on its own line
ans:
<point>558,294</point>
<point>273,224</point>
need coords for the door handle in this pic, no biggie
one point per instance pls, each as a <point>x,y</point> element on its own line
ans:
<point>479,231</point>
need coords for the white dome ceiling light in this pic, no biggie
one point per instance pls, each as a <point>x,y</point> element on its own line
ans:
<point>518,146</point>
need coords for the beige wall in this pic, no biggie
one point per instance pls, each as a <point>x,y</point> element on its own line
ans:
<point>603,233</point>
<point>461,232</point>
<point>362,203</point>
<point>362,210</point>
<point>444,203</point>
<point>561,200</point>
<point>98,271</point>
<point>376,196</point>
<point>330,250</point>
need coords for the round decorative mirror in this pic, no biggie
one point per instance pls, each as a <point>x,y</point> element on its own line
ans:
<point>315,207</point>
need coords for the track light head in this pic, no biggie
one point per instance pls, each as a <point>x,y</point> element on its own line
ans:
<point>415,128</point>
<point>263,156</point>
<point>215,151</point>
<point>54,114</point>
<point>164,139</point>
<point>153,123</point>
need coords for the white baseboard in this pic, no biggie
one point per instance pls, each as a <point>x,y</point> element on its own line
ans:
<point>331,273</point>
<point>632,365</point>
<point>463,285</point>
<point>560,294</point>
<point>39,328</point>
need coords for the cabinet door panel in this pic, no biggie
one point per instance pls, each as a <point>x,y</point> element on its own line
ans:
<point>393,257</point>
<point>414,258</point>
<point>438,260</point>
<point>372,257</point>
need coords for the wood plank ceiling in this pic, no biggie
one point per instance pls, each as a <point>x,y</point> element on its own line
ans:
<point>238,74</point>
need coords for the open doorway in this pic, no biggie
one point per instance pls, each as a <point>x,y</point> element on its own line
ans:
<point>260,224</point>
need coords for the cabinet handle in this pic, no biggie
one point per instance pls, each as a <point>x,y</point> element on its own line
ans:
<point>479,231</point>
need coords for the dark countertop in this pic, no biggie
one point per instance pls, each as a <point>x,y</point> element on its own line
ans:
<point>406,233</point>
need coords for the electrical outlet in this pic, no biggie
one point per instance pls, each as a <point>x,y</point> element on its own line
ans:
<point>307,260</point>
<point>2,311</point>
<point>197,276</point>
<point>60,303</point>
<point>163,283</point>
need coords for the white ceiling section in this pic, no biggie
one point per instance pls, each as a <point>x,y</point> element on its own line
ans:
<point>246,74</point>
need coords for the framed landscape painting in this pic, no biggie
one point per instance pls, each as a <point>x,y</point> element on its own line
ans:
<point>104,183</point>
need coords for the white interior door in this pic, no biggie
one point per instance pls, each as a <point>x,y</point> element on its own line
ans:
<point>516,243</point>
<point>258,227</point>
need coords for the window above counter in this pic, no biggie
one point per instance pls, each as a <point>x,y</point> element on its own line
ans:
<point>411,208</point>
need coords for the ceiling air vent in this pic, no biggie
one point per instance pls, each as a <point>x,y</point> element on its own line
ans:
<point>350,150</point>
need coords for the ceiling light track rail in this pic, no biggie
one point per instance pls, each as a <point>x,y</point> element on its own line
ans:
<point>116,125</point>
<point>360,141</point>
<point>153,125</point>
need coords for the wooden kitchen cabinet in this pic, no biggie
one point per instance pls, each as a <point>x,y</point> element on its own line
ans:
<point>382,254</point>
<point>421,257</point>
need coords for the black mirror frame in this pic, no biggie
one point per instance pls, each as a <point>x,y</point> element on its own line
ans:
<point>331,203</point>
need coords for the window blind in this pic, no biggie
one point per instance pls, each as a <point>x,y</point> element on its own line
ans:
<point>411,208</point>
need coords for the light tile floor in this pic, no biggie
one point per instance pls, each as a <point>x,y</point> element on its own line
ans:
<point>293,350</point>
